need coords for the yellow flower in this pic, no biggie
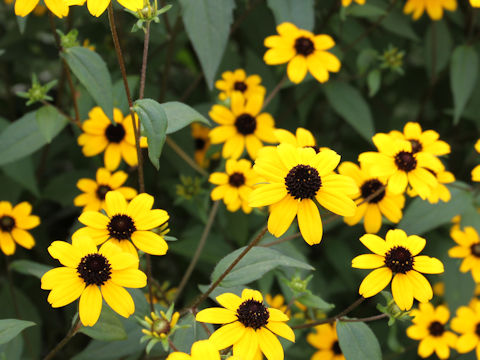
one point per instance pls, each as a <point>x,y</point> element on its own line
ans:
<point>160,325</point>
<point>302,138</point>
<point>467,323</point>
<point>57,7</point>
<point>13,225</point>
<point>241,126</point>
<point>439,192</point>
<point>475,3</point>
<point>429,327</point>
<point>277,302</point>
<point>303,51</point>
<point>88,45</point>
<point>91,274</point>
<point>97,7</point>
<point>384,203</point>
<point>248,325</point>
<point>397,162</point>
<point>202,143</point>
<point>325,339</point>
<point>434,8</point>
<point>124,222</point>
<point>239,81</point>
<point>348,2</point>
<point>397,257</point>
<point>234,185</point>
<point>468,248</point>
<point>118,141</point>
<point>476,169</point>
<point>295,177</point>
<point>201,350</point>
<point>93,198</point>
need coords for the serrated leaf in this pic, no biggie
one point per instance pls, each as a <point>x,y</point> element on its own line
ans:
<point>207,23</point>
<point>28,267</point>
<point>180,115</point>
<point>50,122</point>
<point>9,328</point>
<point>438,43</point>
<point>154,121</point>
<point>301,13</point>
<point>463,75</point>
<point>357,341</point>
<point>351,106</point>
<point>107,328</point>
<point>93,73</point>
<point>258,261</point>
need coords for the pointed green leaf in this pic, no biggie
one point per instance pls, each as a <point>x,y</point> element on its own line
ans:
<point>107,328</point>
<point>300,13</point>
<point>50,122</point>
<point>180,115</point>
<point>28,267</point>
<point>9,328</point>
<point>357,341</point>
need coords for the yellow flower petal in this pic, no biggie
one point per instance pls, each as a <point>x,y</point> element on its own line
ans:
<point>150,242</point>
<point>96,8</point>
<point>6,243</point>
<point>277,315</point>
<point>115,203</point>
<point>90,305</point>
<point>427,265</point>
<point>140,205</point>
<point>375,244</point>
<point>281,329</point>
<point>297,69</point>
<point>402,291</point>
<point>118,299</point>
<point>269,344</point>
<point>204,350</point>
<point>23,238</point>
<point>216,315</point>
<point>151,219</point>
<point>422,290</point>
<point>65,253</point>
<point>309,222</point>
<point>94,219</point>
<point>368,261</point>
<point>227,335</point>
<point>282,215</point>
<point>247,346</point>
<point>375,282</point>
<point>229,301</point>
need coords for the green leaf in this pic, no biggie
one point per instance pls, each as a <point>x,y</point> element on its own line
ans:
<point>365,10</point>
<point>301,13</point>
<point>50,122</point>
<point>421,216</point>
<point>374,80</point>
<point>258,261</point>
<point>22,23</point>
<point>93,73</point>
<point>463,75</point>
<point>28,267</point>
<point>154,121</point>
<point>207,23</point>
<point>351,106</point>
<point>438,43</point>
<point>459,287</point>
<point>108,327</point>
<point>180,115</point>
<point>9,328</point>
<point>120,100</point>
<point>316,302</point>
<point>357,341</point>
<point>399,24</point>
<point>23,172</point>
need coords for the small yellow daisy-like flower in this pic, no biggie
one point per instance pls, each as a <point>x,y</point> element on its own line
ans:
<point>239,81</point>
<point>295,178</point>
<point>467,324</point>
<point>429,327</point>
<point>201,142</point>
<point>476,169</point>
<point>91,274</point>
<point>234,185</point>
<point>348,2</point>
<point>248,325</point>
<point>126,221</point>
<point>384,203</point>
<point>303,51</point>
<point>439,192</point>
<point>468,248</point>
<point>160,325</point>
<point>201,350</point>
<point>434,8</point>
<point>241,126</point>
<point>118,141</point>
<point>93,198</point>
<point>325,339</point>
<point>14,223</point>
<point>397,257</point>
<point>426,141</point>
<point>58,7</point>
<point>397,162</point>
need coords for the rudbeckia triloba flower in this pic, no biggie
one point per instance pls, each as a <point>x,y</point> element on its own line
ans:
<point>397,257</point>
<point>476,169</point>
<point>295,178</point>
<point>434,8</point>
<point>397,162</point>
<point>57,7</point>
<point>93,198</point>
<point>467,324</point>
<point>124,222</point>
<point>118,141</point>
<point>91,274</point>
<point>13,225</point>
<point>468,248</point>
<point>241,126</point>
<point>201,143</point>
<point>429,327</point>
<point>439,192</point>
<point>234,185</point>
<point>384,203</point>
<point>348,2</point>
<point>239,81</point>
<point>248,325</point>
<point>303,51</point>
<point>201,350</point>
<point>325,339</point>
<point>97,7</point>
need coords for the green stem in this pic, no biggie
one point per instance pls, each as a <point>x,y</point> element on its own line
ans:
<point>71,333</point>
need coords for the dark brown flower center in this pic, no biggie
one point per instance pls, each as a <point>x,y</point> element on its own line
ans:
<point>200,144</point>
<point>303,182</point>
<point>240,86</point>
<point>399,259</point>
<point>246,124</point>
<point>236,179</point>
<point>7,223</point>
<point>370,187</point>
<point>304,46</point>
<point>405,161</point>
<point>252,313</point>
<point>416,146</point>
<point>475,249</point>
<point>121,227</point>
<point>477,329</point>
<point>436,328</point>
<point>102,190</point>
<point>94,269</point>
<point>336,348</point>
<point>115,133</point>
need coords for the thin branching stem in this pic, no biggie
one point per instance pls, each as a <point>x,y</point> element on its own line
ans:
<point>71,333</point>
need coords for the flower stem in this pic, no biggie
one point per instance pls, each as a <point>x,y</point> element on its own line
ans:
<point>274,92</point>
<point>365,319</point>
<point>71,333</point>
<point>170,343</point>
<point>145,60</point>
<point>170,142</point>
